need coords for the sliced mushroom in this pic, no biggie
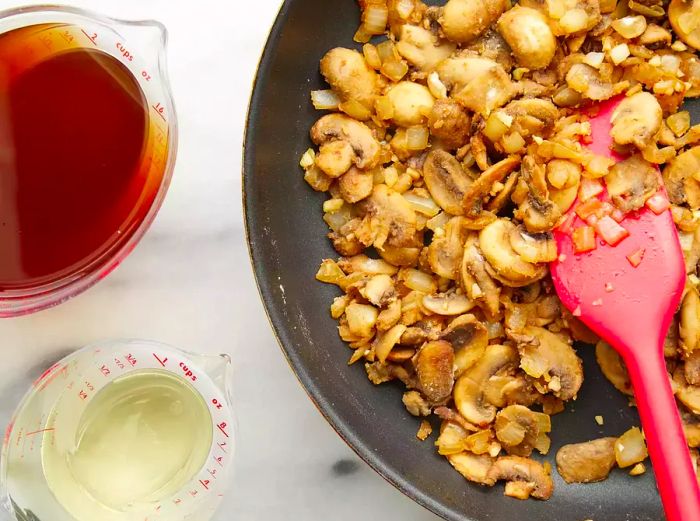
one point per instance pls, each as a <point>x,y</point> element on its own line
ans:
<point>465,20</point>
<point>434,365</point>
<point>507,389</point>
<point>446,180</point>
<point>448,304</point>
<point>422,48</point>
<point>526,477</point>
<point>393,218</point>
<point>404,256</point>
<point>690,322</point>
<point>411,103</point>
<point>613,368</point>
<point>532,116</point>
<point>473,199</point>
<point>335,158</point>
<point>545,355</point>
<point>469,389</point>
<point>636,120</point>
<point>337,127</point>
<point>538,213</point>
<point>487,92</point>
<point>445,253</point>
<point>469,339</point>
<point>476,281</point>
<point>356,184</point>
<point>679,180</point>
<point>473,467</point>
<point>586,462</point>
<point>529,36</point>
<point>631,182</point>
<point>347,72</point>
<point>691,368</point>
<point>521,430</point>
<point>683,15</point>
<point>494,242</point>
<point>450,122</point>
<point>688,395</point>
<point>535,247</point>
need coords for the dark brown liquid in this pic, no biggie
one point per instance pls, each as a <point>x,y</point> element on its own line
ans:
<point>73,129</point>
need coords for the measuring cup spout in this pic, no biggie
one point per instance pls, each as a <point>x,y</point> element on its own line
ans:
<point>219,368</point>
<point>150,37</point>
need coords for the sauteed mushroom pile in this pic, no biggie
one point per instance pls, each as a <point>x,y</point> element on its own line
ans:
<point>453,142</point>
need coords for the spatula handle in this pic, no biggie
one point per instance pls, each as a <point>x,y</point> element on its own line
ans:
<point>663,429</point>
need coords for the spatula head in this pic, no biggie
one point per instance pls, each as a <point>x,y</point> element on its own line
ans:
<point>618,301</point>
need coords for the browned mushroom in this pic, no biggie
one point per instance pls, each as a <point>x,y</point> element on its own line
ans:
<point>525,477</point>
<point>586,462</point>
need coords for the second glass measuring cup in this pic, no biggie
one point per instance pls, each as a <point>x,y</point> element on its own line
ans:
<point>121,431</point>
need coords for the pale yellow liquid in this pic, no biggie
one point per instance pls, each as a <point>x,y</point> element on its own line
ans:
<point>140,440</point>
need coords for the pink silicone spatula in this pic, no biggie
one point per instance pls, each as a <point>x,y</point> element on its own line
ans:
<point>631,308</point>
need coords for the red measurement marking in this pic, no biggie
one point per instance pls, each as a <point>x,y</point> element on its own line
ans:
<point>119,363</point>
<point>91,38</point>
<point>212,472</point>
<point>219,460</point>
<point>222,427</point>
<point>105,370</point>
<point>205,483</point>
<point>177,501</point>
<point>161,362</point>
<point>218,405</point>
<point>193,493</point>
<point>222,446</point>
<point>67,36</point>
<point>132,361</point>
<point>40,430</point>
<point>82,395</point>
<point>146,76</point>
<point>89,386</point>
<point>160,110</point>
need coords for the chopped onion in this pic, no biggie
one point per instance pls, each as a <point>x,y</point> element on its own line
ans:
<point>594,207</point>
<point>387,51</point>
<point>618,215</point>
<point>308,159</point>
<point>584,239</point>
<point>362,36</point>
<point>395,70</point>
<point>630,26</point>
<point>589,188</point>
<point>619,53</point>
<point>420,281</point>
<point>610,231</point>
<point>635,258</point>
<point>330,272</point>
<point>439,221</point>
<point>325,99</point>
<point>658,203</point>
<point>361,319</point>
<point>513,143</point>
<point>495,128</point>
<point>385,342</point>
<point>423,205</point>
<point>679,123</point>
<point>404,8</point>
<point>630,448</point>
<point>417,138</point>
<point>573,21</point>
<point>375,18</point>
<point>355,109</point>
<point>371,56</point>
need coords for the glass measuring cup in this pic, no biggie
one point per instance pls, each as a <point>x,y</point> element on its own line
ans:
<point>45,476</point>
<point>43,32</point>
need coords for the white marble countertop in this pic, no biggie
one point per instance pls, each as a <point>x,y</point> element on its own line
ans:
<point>189,283</point>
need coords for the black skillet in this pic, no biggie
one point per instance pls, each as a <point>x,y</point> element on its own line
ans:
<point>287,241</point>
